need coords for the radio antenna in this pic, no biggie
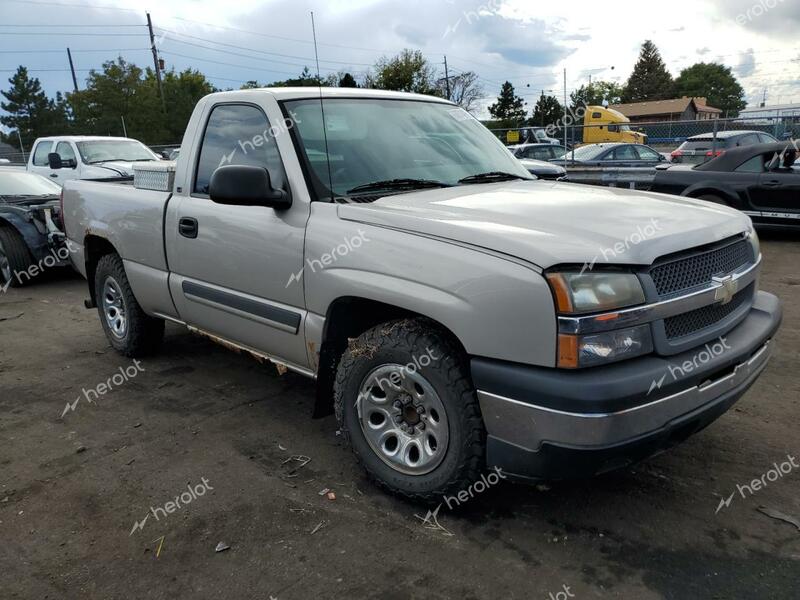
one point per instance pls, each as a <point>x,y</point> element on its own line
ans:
<point>322,108</point>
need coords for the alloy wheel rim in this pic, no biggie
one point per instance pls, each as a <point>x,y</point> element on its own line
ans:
<point>114,308</point>
<point>403,419</point>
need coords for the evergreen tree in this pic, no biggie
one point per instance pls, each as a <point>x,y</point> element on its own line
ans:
<point>30,111</point>
<point>509,110</point>
<point>548,111</point>
<point>650,79</point>
<point>594,94</point>
<point>347,81</point>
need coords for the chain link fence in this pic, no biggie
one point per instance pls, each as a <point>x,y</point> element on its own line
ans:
<point>664,136</point>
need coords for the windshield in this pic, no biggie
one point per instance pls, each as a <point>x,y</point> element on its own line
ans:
<point>26,184</point>
<point>624,127</point>
<point>373,140</point>
<point>104,150</point>
<point>585,152</point>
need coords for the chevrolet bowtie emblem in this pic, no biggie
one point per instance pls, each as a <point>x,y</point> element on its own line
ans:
<point>727,290</point>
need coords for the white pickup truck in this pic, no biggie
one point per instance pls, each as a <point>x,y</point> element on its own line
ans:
<point>457,313</point>
<point>62,158</point>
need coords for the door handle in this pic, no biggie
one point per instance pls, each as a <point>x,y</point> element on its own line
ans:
<point>54,175</point>
<point>772,183</point>
<point>187,227</point>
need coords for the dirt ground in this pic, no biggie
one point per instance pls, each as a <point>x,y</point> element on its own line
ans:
<point>75,480</point>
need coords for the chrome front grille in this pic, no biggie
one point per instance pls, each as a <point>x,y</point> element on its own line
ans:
<point>684,273</point>
<point>691,322</point>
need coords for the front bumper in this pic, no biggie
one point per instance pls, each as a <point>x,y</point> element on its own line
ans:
<point>554,424</point>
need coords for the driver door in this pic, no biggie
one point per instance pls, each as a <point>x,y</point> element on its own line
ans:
<point>230,265</point>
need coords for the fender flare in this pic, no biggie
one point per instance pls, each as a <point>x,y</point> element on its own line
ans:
<point>22,221</point>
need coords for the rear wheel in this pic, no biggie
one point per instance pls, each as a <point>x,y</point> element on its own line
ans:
<point>405,402</point>
<point>15,258</point>
<point>130,331</point>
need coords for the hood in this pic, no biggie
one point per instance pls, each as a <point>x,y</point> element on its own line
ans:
<point>549,223</point>
<point>113,168</point>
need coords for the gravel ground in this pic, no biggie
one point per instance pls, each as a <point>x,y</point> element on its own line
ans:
<point>75,481</point>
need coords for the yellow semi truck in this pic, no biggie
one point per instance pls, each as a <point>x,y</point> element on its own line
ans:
<point>608,125</point>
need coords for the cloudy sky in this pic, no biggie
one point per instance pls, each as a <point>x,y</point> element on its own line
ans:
<point>527,43</point>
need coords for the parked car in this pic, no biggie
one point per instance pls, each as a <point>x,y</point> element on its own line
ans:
<point>543,169</point>
<point>541,151</point>
<point>612,155</point>
<point>701,148</point>
<point>87,157</point>
<point>762,181</point>
<point>394,250</point>
<point>30,218</point>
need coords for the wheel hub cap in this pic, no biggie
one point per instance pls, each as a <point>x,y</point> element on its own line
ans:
<point>114,308</point>
<point>403,419</point>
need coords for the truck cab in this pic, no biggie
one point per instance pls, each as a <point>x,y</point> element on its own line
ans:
<point>61,158</point>
<point>608,125</point>
<point>455,312</point>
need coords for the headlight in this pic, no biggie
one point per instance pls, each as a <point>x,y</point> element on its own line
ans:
<point>577,294</point>
<point>595,292</point>
<point>575,351</point>
<point>755,242</point>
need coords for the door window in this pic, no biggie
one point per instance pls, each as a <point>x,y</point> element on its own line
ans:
<point>648,154</point>
<point>65,151</point>
<point>624,153</point>
<point>40,154</point>
<point>237,134</point>
<point>754,165</point>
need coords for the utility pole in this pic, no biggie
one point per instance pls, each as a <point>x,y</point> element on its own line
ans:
<point>155,62</point>
<point>72,68</point>
<point>565,118</point>
<point>446,77</point>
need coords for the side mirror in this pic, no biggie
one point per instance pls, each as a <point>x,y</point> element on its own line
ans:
<point>54,160</point>
<point>244,185</point>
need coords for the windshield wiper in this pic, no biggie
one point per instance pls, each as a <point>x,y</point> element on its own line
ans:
<point>491,177</point>
<point>399,184</point>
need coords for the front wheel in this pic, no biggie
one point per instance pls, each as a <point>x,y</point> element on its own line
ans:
<point>713,198</point>
<point>405,402</point>
<point>15,259</point>
<point>129,330</point>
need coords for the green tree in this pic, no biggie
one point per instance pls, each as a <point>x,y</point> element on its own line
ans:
<point>509,110</point>
<point>650,79</point>
<point>120,91</point>
<point>181,93</point>
<point>408,71</point>
<point>716,83</point>
<point>347,81</point>
<point>548,111</point>
<point>594,94</point>
<point>29,111</point>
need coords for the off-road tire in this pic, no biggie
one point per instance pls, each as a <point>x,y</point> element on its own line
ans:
<point>18,255</point>
<point>398,342</point>
<point>143,334</point>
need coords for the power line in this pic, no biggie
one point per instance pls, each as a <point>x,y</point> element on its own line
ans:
<point>105,26</point>
<point>254,49</point>
<point>71,5</point>
<point>227,64</point>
